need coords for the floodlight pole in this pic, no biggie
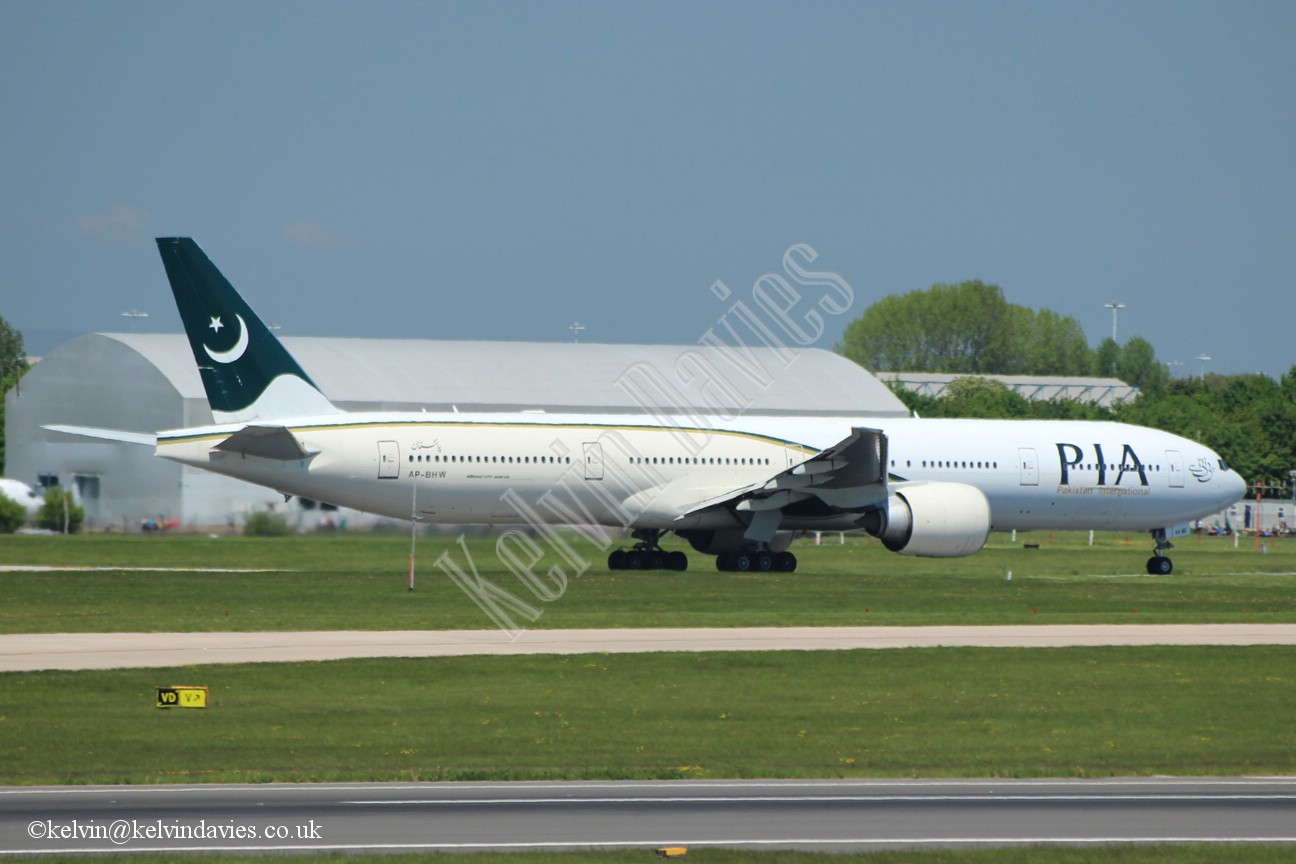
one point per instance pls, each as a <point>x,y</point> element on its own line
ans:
<point>414,520</point>
<point>1115,307</point>
<point>134,315</point>
<point>1259,489</point>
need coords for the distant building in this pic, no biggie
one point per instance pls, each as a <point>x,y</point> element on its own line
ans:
<point>1105,392</point>
<point>149,382</point>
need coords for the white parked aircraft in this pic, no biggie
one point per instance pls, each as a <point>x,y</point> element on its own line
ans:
<point>19,491</point>
<point>738,490</point>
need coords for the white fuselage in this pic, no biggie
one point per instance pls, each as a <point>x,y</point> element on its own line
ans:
<point>627,471</point>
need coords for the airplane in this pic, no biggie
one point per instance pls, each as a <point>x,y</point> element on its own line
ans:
<point>16,490</point>
<point>739,490</point>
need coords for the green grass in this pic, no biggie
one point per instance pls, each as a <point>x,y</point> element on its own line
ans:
<point>961,712</point>
<point>923,713</point>
<point>358,581</point>
<point>958,712</point>
<point>1186,854</point>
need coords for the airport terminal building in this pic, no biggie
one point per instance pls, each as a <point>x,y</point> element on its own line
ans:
<point>149,382</point>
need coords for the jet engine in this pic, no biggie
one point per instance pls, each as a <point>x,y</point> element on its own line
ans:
<point>932,520</point>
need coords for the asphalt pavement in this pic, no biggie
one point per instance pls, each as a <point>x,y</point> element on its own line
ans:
<point>827,815</point>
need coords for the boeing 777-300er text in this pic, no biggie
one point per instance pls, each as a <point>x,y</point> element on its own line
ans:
<point>738,490</point>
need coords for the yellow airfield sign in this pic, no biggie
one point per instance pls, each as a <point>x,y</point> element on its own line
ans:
<point>182,696</point>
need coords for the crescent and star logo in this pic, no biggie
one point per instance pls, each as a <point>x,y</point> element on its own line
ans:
<point>239,346</point>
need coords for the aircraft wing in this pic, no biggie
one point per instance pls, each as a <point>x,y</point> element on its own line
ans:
<point>849,476</point>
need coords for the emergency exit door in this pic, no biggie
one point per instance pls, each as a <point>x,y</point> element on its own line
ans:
<point>388,460</point>
<point>1029,466</point>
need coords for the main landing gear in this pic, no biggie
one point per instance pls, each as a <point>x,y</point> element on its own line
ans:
<point>758,560</point>
<point>1159,564</point>
<point>647,555</point>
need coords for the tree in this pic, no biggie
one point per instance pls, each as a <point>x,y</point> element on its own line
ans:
<point>1053,344</point>
<point>59,511</point>
<point>13,359</point>
<point>947,328</point>
<point>965,328</point>
<point>1288,384</point>
<point>12,514</point>
<point>1106,358</point>
<point>1137,366</point>
<point>13,363</point>
<point>262,523</point>
<point>887,336</point>
<point>983,397</point>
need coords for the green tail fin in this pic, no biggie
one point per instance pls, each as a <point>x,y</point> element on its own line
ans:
<point>246,371</point>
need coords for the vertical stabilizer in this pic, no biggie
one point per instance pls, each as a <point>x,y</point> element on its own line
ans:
<point>247,373</point>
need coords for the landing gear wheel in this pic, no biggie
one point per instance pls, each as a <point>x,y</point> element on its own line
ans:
<point>1159,565</point>
<point>756,561</point>
<point>647,555</point>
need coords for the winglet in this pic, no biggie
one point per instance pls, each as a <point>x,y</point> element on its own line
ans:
<point>247,373</point>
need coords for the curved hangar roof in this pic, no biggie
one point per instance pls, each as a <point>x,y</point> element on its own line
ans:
<point>394,374</point>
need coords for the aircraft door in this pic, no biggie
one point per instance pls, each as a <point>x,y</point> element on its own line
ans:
<point>388,460</point>
<point>1175,468</point>
<point>593,460</point>
<point>1029,466</point>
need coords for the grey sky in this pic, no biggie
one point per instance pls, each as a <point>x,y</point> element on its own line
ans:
<point>501,170</point>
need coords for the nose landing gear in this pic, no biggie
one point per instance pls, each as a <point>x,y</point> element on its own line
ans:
<point>1159,564</point>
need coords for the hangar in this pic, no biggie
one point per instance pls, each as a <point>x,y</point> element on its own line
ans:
<point>141,382</point>
<point>1103,392</point>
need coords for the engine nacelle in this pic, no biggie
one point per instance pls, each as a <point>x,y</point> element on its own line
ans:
<point>933,520</point>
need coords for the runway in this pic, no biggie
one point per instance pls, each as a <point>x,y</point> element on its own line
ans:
<point>37,651</point>
<point>838,816</point>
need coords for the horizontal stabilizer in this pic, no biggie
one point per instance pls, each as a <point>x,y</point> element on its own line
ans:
<point>267,442</point>
<point>119,435</point>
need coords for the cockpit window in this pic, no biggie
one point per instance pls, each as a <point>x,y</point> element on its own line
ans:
<point>1223,465</point>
